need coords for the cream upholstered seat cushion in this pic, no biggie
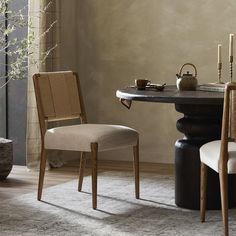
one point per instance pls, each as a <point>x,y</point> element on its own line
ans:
<point>210,155</point>
<point>79,137</point>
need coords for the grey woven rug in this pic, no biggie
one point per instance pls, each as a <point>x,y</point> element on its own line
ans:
<point>68,212</point>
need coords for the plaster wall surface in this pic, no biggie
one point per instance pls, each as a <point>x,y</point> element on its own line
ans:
<point>112,42</point>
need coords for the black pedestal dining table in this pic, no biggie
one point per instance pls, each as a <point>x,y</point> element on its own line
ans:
<point>201,123</point>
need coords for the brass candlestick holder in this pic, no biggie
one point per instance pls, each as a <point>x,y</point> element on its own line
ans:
<point>231,68</point>
<point>219,73</point>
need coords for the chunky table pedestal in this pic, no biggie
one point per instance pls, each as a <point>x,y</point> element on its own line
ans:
<point>200,124</point>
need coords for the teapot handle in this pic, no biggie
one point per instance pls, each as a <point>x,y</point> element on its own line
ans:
<point>189,64</point>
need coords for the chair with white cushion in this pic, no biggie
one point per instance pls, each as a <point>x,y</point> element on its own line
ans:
<point>220,155</point>
<point>59,98</point>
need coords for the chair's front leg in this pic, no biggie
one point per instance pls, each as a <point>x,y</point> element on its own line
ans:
<point>81,170</point>
<point>136,168</point>
<point>224,199</point>
<point>42,172</point>
<point>203,188</point>
<point>94,152</point>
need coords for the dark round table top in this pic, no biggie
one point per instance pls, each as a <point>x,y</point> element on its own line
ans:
<point>171,95</point>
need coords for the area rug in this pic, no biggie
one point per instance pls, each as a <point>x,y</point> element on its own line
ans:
<point>64,211</point>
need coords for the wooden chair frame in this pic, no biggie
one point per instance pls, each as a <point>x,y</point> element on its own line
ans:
<point>223,171</point>
<point>45,120</point>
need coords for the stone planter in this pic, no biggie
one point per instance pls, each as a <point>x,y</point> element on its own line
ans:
<point>6,157</point>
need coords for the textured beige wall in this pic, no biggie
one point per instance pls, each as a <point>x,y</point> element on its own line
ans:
<point>115,41</point>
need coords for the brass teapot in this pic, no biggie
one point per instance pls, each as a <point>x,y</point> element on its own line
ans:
<point>186,82</point>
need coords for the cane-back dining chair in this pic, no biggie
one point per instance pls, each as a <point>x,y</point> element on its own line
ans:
<point>220,155</point>
<point>59,98</point>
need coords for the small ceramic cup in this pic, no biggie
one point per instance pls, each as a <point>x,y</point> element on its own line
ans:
<point>142,83</point>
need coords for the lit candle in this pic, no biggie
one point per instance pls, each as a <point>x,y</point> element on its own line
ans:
<point>219,53</point>
<point>231,39</point>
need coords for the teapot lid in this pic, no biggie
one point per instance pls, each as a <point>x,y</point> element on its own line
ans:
<point>188,74</point>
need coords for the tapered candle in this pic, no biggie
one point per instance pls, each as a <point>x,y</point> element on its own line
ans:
<point>231,39</point>
<point>219,53</point>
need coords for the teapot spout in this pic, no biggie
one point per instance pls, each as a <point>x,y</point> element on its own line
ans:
<point>178,76</point>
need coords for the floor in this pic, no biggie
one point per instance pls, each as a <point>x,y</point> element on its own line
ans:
<point>21,180</point>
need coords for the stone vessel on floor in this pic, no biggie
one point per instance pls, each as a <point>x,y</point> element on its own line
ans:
<point>6,157</point>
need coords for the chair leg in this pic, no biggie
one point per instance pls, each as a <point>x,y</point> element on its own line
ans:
<point>81,170</point>
<point>203,188</point>
<point>136,169</point>
<point>41,172</point>
<point>94,152</point>
<point>224,199</point>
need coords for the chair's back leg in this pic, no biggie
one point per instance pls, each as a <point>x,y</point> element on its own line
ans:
<point>81,170</point>
<point>136,168</point>
<point>94,152</point>
<point>41,172</point>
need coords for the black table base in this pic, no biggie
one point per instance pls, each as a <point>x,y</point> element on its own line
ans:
<point>200,124</point>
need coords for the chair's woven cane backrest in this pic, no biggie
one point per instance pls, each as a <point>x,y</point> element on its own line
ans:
<point>58,96</point>
<point>233,114</point>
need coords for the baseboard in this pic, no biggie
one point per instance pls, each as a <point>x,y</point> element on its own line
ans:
<point>159,168</point>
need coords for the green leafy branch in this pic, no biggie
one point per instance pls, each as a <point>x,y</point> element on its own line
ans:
<point>18,49</point>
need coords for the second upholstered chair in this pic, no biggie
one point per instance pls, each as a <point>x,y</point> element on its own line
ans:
<point>220,155</point>
<point>59,98</point>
